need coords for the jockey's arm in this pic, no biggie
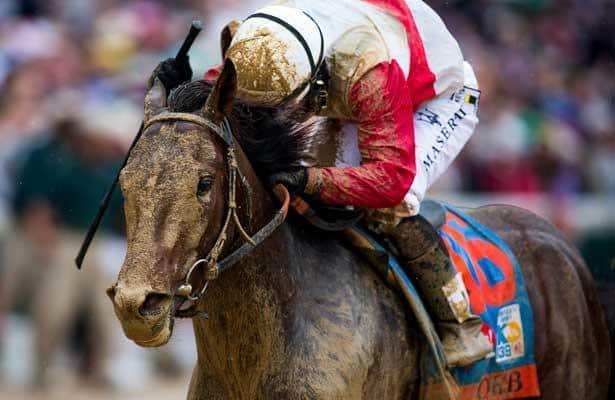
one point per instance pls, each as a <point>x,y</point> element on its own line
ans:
<point>381,104</point>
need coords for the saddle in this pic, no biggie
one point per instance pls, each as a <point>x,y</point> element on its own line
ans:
<point>497,293</point>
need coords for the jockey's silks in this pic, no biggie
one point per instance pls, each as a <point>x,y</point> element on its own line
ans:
<point>386,59</point>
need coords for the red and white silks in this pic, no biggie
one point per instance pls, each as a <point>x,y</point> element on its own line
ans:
<point>409,100</point>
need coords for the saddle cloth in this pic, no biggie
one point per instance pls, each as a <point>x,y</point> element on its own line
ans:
<point>497,293</point>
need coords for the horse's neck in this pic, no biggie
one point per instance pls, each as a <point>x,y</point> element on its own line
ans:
<point>245,303</point>
<point>243,337</point>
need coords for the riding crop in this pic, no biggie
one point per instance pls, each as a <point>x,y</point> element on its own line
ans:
<point>195,29</point>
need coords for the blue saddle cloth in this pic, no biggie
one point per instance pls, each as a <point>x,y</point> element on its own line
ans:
<point>497,293</point>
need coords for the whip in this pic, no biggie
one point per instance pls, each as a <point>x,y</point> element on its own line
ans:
<point>195,29</point>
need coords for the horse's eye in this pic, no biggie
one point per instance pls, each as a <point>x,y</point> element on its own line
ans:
<point>204,186</point>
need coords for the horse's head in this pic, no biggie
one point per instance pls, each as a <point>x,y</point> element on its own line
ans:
<point>174,186</point>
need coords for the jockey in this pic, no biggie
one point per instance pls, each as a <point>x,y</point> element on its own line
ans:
<point>393,73</point>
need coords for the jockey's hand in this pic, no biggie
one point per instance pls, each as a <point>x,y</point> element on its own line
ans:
<point>172,73</point>
<point>295,180</point>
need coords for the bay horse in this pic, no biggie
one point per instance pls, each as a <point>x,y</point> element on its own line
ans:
<point>302,316</point>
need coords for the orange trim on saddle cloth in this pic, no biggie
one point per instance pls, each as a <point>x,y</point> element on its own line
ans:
<point>515,383</point>
<point>521,382</point>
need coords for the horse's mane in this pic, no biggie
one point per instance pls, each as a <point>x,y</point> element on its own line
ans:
<point>271,139</point>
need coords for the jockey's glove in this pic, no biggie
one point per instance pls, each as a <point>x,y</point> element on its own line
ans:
<point>295,180</point>
<point>172,72</point>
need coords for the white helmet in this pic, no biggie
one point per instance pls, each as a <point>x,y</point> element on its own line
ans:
<point>277,52</point>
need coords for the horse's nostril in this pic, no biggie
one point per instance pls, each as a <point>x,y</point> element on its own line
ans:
<point>153,304</point>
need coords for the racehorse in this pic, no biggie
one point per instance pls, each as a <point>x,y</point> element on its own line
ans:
<point>302,316</point>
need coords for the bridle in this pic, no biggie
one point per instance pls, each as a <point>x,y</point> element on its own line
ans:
<point>213,267</point>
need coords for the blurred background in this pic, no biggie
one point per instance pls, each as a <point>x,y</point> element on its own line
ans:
<point>72,81</point>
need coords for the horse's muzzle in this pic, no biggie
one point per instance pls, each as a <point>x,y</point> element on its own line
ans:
<point>146,316</point>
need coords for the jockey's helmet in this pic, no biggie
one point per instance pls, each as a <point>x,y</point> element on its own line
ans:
<point>277,52</point>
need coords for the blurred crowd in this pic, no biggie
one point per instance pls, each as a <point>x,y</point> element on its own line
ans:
<point>548,106</point>
<point>72,80</point>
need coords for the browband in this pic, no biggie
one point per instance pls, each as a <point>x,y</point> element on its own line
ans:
<point>223,130</point>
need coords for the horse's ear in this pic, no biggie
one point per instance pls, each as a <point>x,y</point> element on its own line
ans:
<point>226,36</point>
<point>220,102</point>
<point>155,100</point>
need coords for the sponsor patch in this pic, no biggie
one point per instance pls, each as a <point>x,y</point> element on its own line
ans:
<point>471,96</point>
<point>448,128</point>
<point>510,342</point>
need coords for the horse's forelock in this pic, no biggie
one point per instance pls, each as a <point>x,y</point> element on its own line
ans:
<point>272,140</point>
<point>190,97</point>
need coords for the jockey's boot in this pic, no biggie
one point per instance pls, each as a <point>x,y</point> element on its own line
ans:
<point>426,260</point>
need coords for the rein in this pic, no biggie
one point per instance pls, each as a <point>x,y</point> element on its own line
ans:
<point>213,267</point>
